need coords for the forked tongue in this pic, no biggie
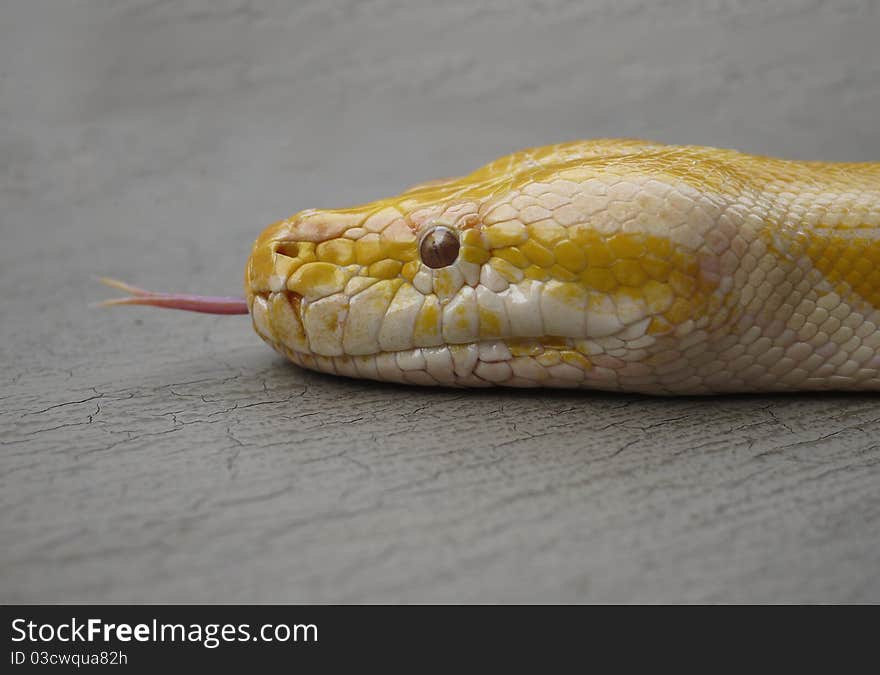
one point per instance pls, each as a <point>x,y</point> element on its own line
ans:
<point>205,304</point>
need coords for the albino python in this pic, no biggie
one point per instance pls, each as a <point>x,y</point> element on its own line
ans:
<point>619,265</point>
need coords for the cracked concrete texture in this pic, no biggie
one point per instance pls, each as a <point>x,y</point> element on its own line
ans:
<point>149,456</point>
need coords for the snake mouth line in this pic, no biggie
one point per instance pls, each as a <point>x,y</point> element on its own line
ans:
<point>523,362</point>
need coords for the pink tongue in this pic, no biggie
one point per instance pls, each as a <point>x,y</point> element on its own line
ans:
<point>189,303</point>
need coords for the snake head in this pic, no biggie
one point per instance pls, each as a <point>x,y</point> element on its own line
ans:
<point>514,274</point>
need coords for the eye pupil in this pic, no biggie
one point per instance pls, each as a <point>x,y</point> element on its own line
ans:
<point>439,248</point>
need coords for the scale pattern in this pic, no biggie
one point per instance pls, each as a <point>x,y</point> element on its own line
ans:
<point>619,265</point>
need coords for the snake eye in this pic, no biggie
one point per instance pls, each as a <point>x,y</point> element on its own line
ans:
<point>439,247</point>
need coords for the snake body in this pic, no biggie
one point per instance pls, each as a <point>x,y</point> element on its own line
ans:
<point>619,265</point>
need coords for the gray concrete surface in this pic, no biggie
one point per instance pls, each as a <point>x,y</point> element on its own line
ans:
<point>151,456</point>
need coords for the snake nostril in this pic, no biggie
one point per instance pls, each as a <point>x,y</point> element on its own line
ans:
<point>287,248</point>
<point>439,247</point>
